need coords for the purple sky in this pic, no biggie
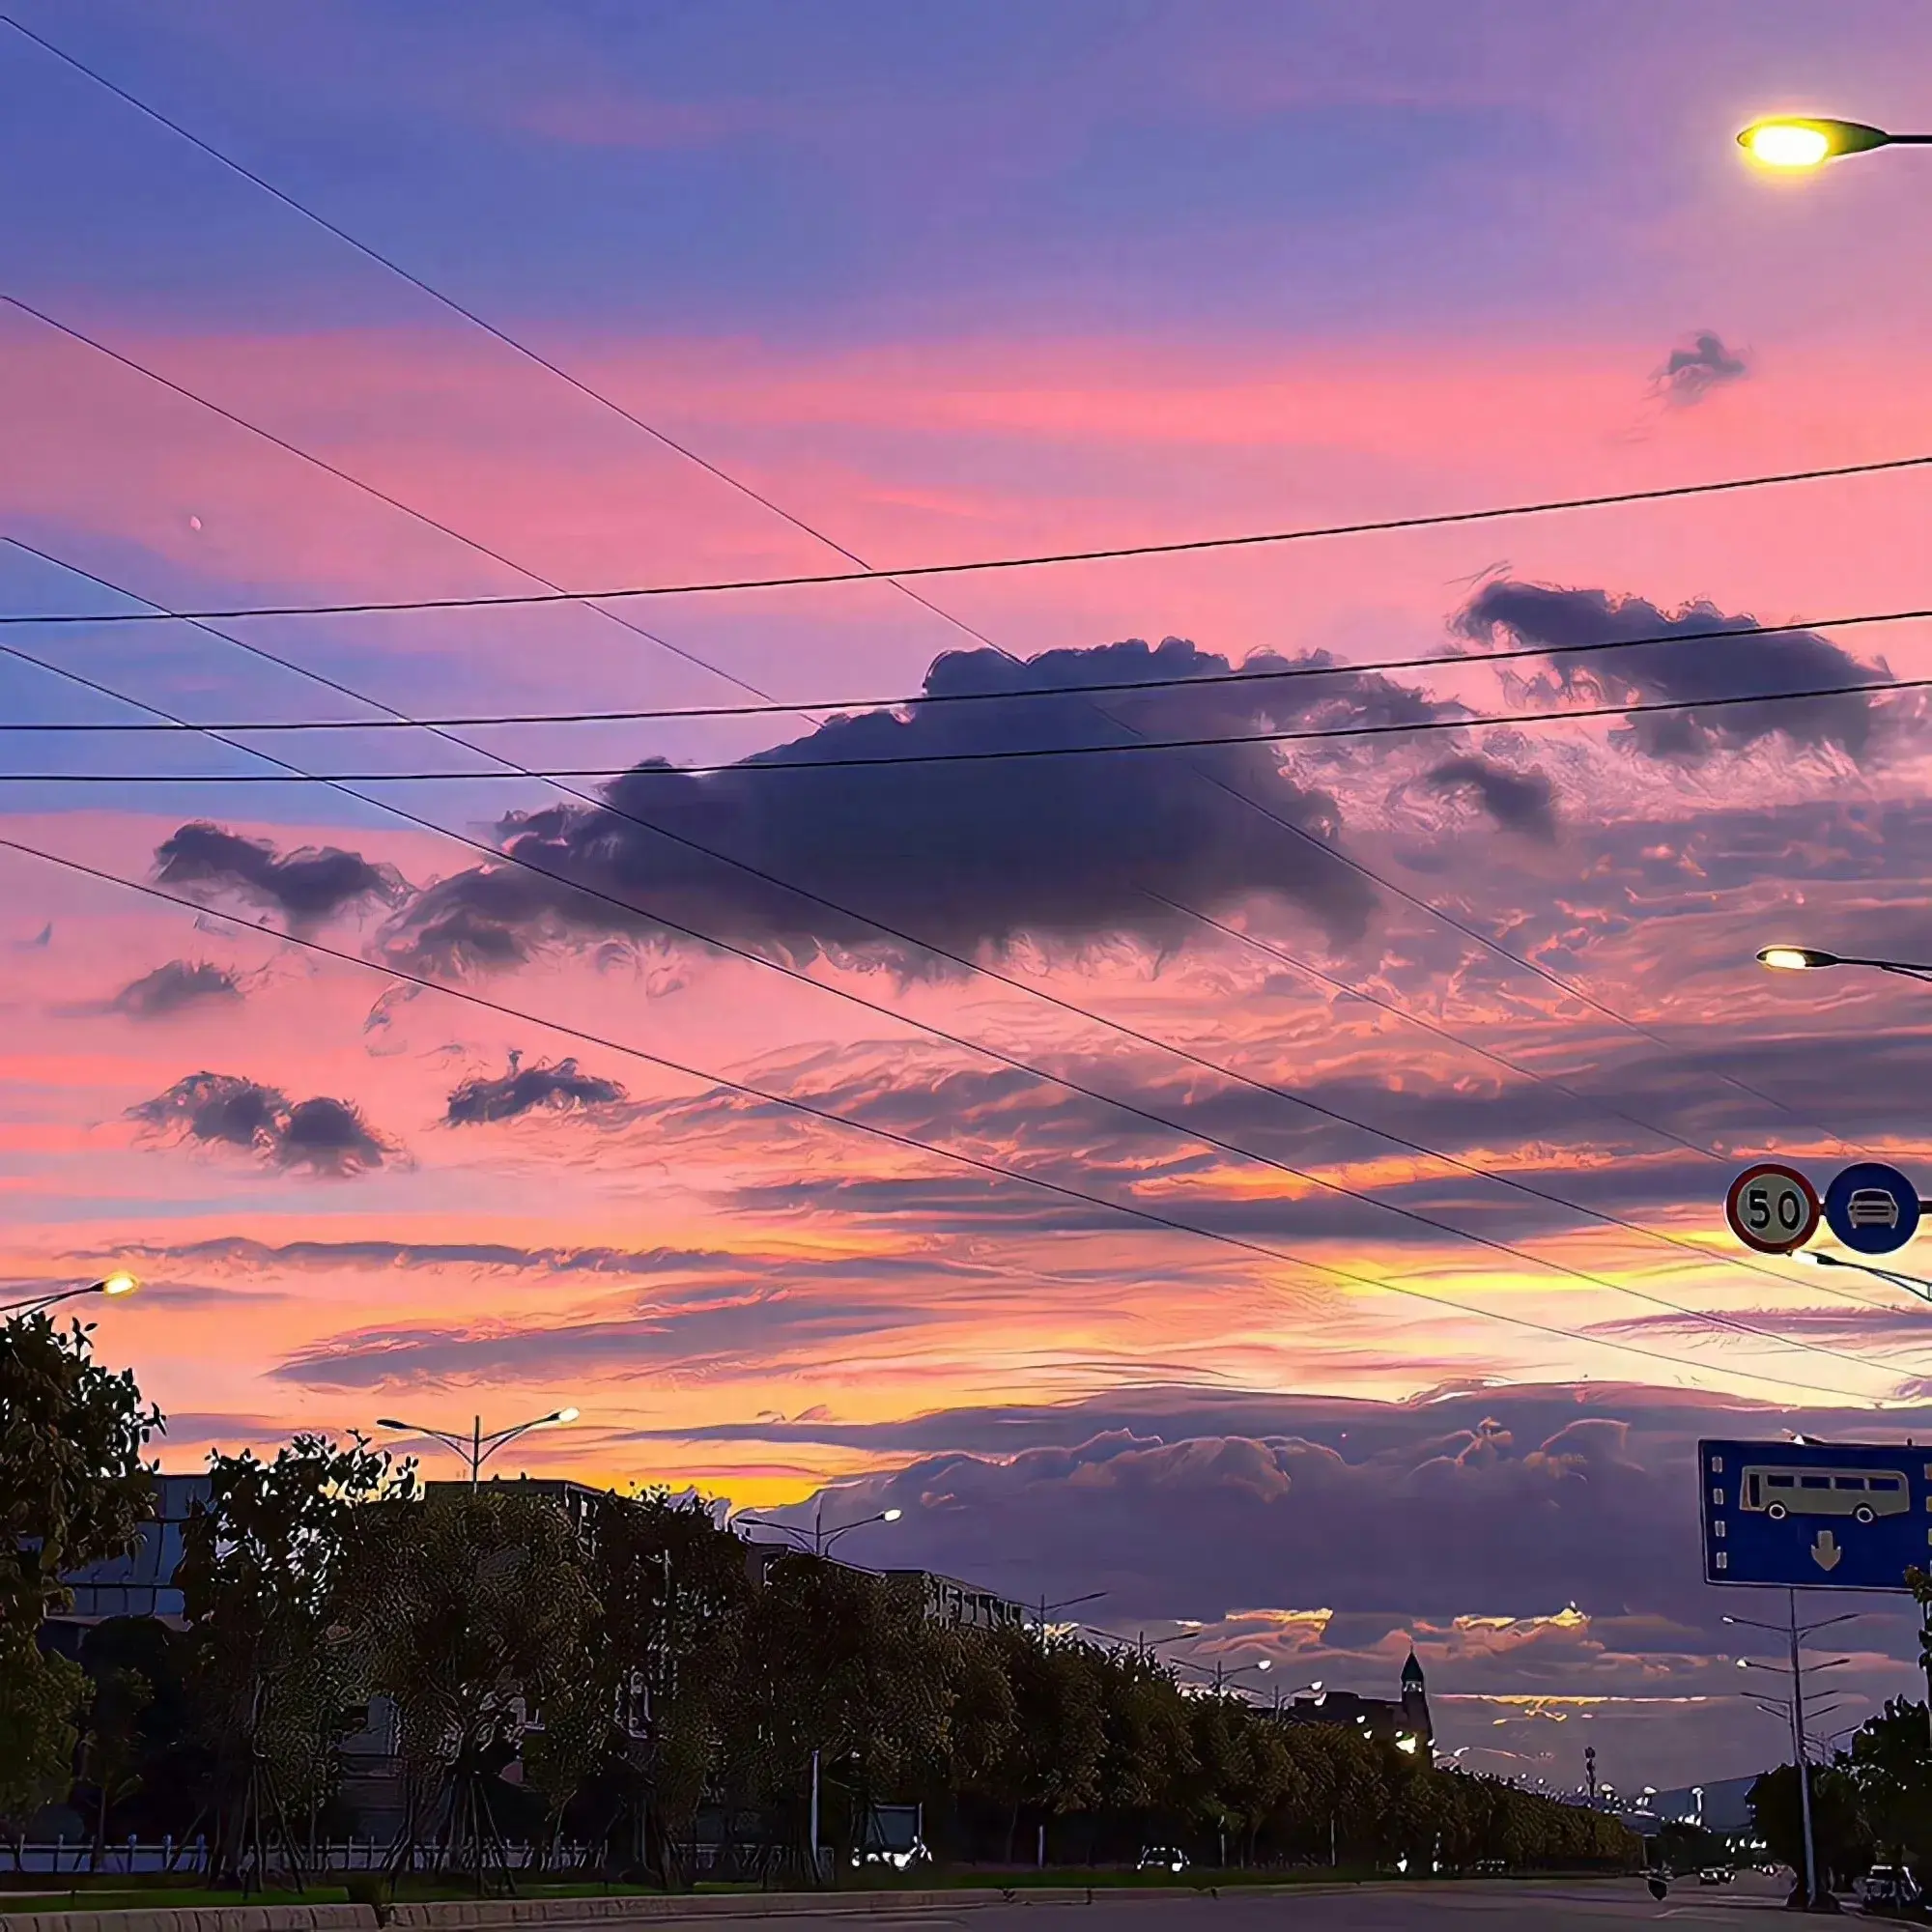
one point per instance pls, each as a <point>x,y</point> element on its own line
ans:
<point>1390,1087</point>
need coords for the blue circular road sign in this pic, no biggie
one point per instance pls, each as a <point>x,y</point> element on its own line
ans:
<point>1872,1207</point>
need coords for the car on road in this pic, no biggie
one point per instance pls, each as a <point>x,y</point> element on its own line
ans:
<point>1163,1857</point>
<point>1714,1875</point>
<point>1886,1888</point>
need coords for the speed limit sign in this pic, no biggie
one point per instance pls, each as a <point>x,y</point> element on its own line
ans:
<point>1773,1208</point>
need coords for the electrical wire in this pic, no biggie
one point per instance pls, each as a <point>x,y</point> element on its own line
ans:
<point>359,484</point>
<point>1217,780</point>
<point>927,699</point>
<point>511,857</point>
<point>1006,563</point>
<point>759,765</point>
<point>891,1136</point>
<point>867,570</point>
<point>806,580</point>
<point>1590,1100</point>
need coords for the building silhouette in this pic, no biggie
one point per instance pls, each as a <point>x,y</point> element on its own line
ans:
<point>1401,1721</point>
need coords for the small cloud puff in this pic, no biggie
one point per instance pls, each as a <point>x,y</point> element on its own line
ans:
<point>320,1136</point>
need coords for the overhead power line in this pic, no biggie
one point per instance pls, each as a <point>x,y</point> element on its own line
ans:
<point>909,1142</point>
<point>866,572</point>
<point>965,962</point>
<point>357,483</point>
<point>757,765</point>
<point>1197,1135</point>
<point>733,482</point>
<point>921,700</point>
<point>1239,794</point>
<point>1522,961</point>
<point>806,580</point>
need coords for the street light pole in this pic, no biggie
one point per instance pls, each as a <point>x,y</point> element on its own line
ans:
<point>820,1540</point>
<point>1064,1603</point>
<point>1802,1759</point>
<point>476,1448</point>
<point>1793,1631</point>
<point>111,1285</point>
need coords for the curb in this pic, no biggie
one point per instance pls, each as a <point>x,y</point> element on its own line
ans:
<point>484,1915</point>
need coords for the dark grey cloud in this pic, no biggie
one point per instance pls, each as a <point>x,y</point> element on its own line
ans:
<point>1518,801</point>
<point>1058,852</point>
<point>561,1088</point>
<point>173,988</point>
<point>320,1136</point>
<point>1532,1541</point>
<point>306,886</point>
<point>1683,672</point>
<point>1689,375</point>
<point>1467,1500</point>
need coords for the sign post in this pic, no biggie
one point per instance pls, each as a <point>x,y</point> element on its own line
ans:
<point>1801,1759</point>
<point>1812,1516</point>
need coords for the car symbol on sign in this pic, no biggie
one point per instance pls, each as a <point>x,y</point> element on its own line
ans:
<point>1872,1207</point>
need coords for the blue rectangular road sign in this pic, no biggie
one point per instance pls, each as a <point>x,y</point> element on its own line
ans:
<point>1837,1516</point>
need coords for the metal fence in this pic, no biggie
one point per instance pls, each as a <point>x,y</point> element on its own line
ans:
<point>131,1856</point>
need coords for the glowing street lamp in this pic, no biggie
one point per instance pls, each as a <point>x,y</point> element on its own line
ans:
<point>112,1285</point>
<point>476,1448</point>
<point>1804,141</point>
<point>1811,959</point>
<point>817,1541</point>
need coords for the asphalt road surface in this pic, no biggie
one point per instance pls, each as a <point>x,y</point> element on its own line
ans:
<point>1752,1904</point>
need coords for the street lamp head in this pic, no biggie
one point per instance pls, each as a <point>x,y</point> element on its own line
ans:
<point>121,1281</point>
<point>1796,958</point>
<point>1267,1664</point>
<point>562,1415</point>
<point>891,1515</point>
<point>390,1422</point>
<point>1800,141</point>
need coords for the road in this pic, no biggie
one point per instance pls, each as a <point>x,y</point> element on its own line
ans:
<point>1752,1904</point>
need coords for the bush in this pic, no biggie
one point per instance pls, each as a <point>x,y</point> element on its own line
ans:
<point>375,1889</point>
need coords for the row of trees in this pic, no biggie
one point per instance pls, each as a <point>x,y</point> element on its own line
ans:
<point>1871,1805</point>
<point>73,1489</point>
<point>617,1674</point>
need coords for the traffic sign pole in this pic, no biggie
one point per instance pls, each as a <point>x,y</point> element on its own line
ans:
<point>1801,1763</point>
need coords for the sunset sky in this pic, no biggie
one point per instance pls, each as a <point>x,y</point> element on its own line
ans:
<point>1384,1090</point>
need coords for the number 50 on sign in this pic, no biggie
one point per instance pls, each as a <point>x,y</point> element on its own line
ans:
<point>1773,1208</point>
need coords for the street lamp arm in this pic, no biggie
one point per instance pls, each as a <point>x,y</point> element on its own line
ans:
<point>832,1536</point>
<point>442,1436</point>
<point>109,1285</point>
<point>1911,1283</point>
<point>799,1540</point>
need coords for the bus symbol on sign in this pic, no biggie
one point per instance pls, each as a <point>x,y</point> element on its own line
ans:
<point>1773,1208</point>
<point>1814,1515</point>
<point>1863,1494</point>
